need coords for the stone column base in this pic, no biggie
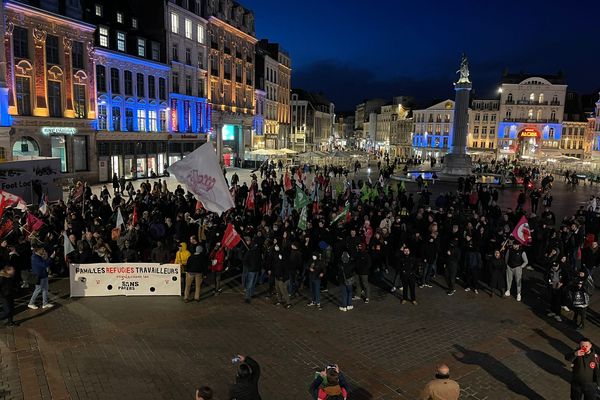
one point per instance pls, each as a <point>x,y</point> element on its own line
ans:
<point>457,164</point>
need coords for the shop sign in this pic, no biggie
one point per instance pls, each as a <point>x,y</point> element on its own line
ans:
<point>529,133</point>
<point>58,130</point>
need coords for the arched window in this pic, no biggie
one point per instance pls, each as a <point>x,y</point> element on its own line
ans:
<point>532,97</point>
<point>541,98</point>
<point>508,113</point>
<point>26,147</point>
<point>509,98</point>
<point>538,115</point>
<point>530,114</point>
<point>553,115</point>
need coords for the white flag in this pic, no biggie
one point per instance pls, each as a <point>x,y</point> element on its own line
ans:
<point>119,218</point>
<point>67,245</point>
<point>201,173</point>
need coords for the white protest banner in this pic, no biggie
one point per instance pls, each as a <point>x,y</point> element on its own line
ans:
<point>125,279</point>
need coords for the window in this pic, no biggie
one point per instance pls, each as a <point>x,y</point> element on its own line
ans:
<point>155,52</point>
<point>80,148</point>
<point>162,88</point>
<point>54,99</point>
<point>200,87</point>
<point>134,23</point>
<point>23,92</point>
<point>510,97</point>
<point>175,52</point>
<point>101,78</point>
<point>128,80</point>
<point>141,120</point>
<point>551,133</point>
<point>116,118</point>
<point>485,117</point>
<point>200,60</point>
<point>227,65</point>
<point>151,87</point>
<point>238,73</point>
<point>129,119</point>
<point>79,95</point>
<point>115,86</point>
<point>188,28</point>
<point>103,32</point>
<point>492,131</point>
<point>102,117</point>
<point>77,55</point>
<point>508,113</point>
<point>140,85</point>
<point>553,115</point>
<point>188,56</point>
<point>141,43</point>
<point>541,98</point>
<point>474,144</point>
<point>188,85</point>
<point>530,114</point>
<point>476,131</point>
<point>532,97</point>
<point>484,131</point>
<point>477,117</point>
<point>119,17</point>
<point>163,120</point>
<point>20,42</point>
<point>174,23</point>
<point>59,150</point>
<point>200,33</point>
<point>493,119</point>
<point>175,82</point>
<point>152,123</point>
<point>214,66</point>
<point>120,41</point>
<point>98,9</point>
<point>52,49</point>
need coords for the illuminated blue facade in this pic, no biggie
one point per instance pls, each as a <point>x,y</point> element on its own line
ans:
<point>510,130</point>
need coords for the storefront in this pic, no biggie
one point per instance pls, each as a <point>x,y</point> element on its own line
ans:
<point>71,141</point>
<point>141,155</point>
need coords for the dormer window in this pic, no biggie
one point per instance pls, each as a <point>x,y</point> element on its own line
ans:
<point>120,17</point>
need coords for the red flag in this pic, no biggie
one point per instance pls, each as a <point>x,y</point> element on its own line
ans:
<point>230,237</point>
<point>250,199</point>
<point>6,228</point>
<point>287,182</point>
<point>33,223</point>
<point>2,206</point>
<point>522,232</point>
<point>135,216</point>
<point>198,205</point>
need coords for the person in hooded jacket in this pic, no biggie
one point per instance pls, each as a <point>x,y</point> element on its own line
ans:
<point>408,273</point>
<point>182,255</point>
<point>246,380</point>
<point>556,279</point>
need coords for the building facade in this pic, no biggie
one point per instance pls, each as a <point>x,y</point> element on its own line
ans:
<point>432,133</point>
<point>483,126</point>
<point>313,118</point>
<point>231,88</point>
<point>345,130</point>
<point>400,136</point>
<point>361,121</point>
<point>531,115</point>
<point>273,76</point>
<point>387,117</point>
<point>50,75</point>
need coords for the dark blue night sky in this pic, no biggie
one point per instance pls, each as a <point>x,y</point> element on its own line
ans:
<point>352,50</point>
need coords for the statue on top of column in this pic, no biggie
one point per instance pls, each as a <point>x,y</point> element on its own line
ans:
<point>464,70</point>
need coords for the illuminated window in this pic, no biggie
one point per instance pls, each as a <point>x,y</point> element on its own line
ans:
<point>152,121</point>
<point>103,32</point>
<point>163,120</point>
<point>532,97</point>
<point>188,28</point>
<point>129,119</point>
<point>141,44</point>
<point>200,33</point>
<point>174,23</point>
<point>120,41</point>
<point>141,120</point>
<point>102,117</point>
<point>54,99</point>
<point>120,17</point>
<point>79,95</point>
<point>98,10</point>
<point>155,51</point>
<point>134,23</point>
<point>530,114</point>
<point>541,98</point>
<point>116,118</point>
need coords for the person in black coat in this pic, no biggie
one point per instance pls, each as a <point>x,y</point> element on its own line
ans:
<point>8,291</point>
<point>251,262</point>
<point>497,268</point>
<point>452,261</point>
<point>408,270</point>
<point>586,377</point>
<point>195,270</point>
<point>281,273</point>
<point>246,380</point>
<point>295,266</point>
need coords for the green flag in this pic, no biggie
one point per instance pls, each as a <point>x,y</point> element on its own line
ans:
<point>342,214</point>
<point>301,199</point>
<point>302,220</point>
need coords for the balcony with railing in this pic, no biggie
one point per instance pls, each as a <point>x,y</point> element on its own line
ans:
<point>532,120</point>
<point>532,102</point>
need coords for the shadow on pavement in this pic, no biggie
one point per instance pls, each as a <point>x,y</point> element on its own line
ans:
<point>559,345</point>
<point>543,360</point>
<point>497,370</point>
<point>360,394</point>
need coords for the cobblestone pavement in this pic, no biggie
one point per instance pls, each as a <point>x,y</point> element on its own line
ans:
<point>161,348</point>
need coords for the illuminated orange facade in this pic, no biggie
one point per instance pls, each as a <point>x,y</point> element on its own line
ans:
<point>50,74</point>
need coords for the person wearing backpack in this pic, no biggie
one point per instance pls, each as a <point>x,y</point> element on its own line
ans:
<point>347,280</point>
<point>580,293</point>
<point>329,384</point>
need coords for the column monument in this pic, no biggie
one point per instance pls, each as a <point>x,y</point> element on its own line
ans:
<point>457,162</point>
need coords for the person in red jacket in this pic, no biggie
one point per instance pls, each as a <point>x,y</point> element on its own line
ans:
<point>217,260</point>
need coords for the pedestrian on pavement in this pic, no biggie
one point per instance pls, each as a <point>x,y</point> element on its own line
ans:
<point>497,268</point>
<point>580,292</point>
<point>40,265</point>
<point>8,290</point>
<point>473,265</point>
<point>251,265</point>
<point>316,271</point>
<point>217,261</point>
<point>516,260</point>
<point>363,266</point>
<point>452,260</point>
<point>408,272</point>
<point>246,380</point>
<point>281,274</point>
<point>555,279</point>
<point>585,378</point>
<point>442,387</point>
<point>196,269</point>
<point>347,280</point>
